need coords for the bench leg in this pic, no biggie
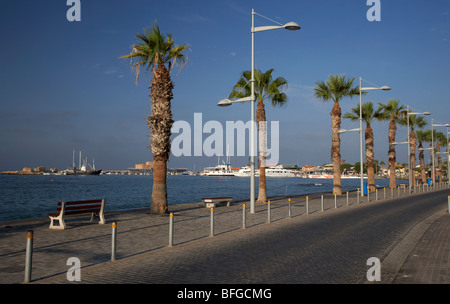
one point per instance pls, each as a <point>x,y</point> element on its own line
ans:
<point>62,224</point>
<point>100,215</point>
<point>102,218</point>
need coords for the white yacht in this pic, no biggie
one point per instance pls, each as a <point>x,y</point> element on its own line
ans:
<point>272,171</point>
<point>219,170</point>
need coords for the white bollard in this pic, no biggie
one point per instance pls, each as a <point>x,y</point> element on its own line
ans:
<point>29,256</point>
<point>113,241</point>
<point>171,230</point>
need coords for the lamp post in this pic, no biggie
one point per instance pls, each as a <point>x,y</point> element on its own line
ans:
<point>432,143</point>
<point>409,148</point>
<point>291,26</point>
<point>361,89</point>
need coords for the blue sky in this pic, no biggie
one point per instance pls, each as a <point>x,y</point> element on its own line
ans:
<point>63,87</point>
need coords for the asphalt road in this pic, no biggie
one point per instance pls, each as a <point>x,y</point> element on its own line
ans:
<point>317,248</point>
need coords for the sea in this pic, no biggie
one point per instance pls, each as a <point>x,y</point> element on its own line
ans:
<point>34,196</point>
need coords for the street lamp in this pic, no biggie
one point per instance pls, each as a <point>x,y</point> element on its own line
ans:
<point>432,144</point>
<point>351,130</point>
<point>291,26</point>
<point>409,148</point>
<point>364,89</point>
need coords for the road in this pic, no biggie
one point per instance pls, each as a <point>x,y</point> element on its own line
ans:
<point>323,247</point>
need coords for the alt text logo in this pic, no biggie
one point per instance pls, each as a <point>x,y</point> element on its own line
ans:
<point>212,138</point>
<point>374,13</point>
<point>74,12</point>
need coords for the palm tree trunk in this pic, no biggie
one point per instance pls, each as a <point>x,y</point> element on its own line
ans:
<point>336,148</point>
<point>160,123</point>
<point>439,164</point>
<point>423,174</point>
<point>262,130</point>
<point>159,193</point>
<point>413,158</point>
<point>392,154</point>
<point>370,158</point>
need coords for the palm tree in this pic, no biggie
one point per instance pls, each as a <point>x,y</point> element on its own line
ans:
<point>335,88</point>
<point>440,140</point>
<point>265,88</point>
<point>368,116</point>
<point>414,121</point>
<point>429,138</point>
<point>153,50</point>
<point>392,111</point>
<point>422,137</point>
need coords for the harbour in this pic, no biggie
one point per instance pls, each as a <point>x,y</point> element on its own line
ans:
<point>32,196</point>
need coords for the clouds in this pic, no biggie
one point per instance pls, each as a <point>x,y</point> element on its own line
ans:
<point>108,71</point>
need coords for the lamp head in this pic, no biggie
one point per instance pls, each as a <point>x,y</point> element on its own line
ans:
<point>224,103</point>
<point>292,26</point>
<point>386,88</point>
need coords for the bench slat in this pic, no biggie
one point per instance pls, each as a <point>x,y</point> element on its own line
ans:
<point>81,202</point>
<point>96,206</point>
<point>216,198</point>
<point>81,211</point>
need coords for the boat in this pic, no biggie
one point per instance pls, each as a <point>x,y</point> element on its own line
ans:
<point>272,171</point>
<point>82,170</point>
<point>320,174</point>
<point>329,175</point>
<point>219,170</point>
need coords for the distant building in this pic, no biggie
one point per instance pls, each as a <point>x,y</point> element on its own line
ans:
<point>147,165</point>
<point>39,169</point>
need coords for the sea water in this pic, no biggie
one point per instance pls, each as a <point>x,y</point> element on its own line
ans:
<point>33,196</point>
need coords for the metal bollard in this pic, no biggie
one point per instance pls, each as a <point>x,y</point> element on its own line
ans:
<point>268,211</point>
<point>384,193</point>
<point>29,256</point>
<point>335,203</point>
<point>321,203</point>
<point>289,208</point>
<point>392,192</point>
<point>357,197</point>
<point>376,194</point>
<point>448,207</point>
<point>171,230</point>
<point>368,194</point>
<point>113,241</point>
<point>212,223</point>
<point>243,217</point>
<point>307,205</point>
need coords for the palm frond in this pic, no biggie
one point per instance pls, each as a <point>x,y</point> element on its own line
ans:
<point>153,48</point>
<point>335,88</point>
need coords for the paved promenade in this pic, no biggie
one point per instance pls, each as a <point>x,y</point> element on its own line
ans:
<point>309,246</point>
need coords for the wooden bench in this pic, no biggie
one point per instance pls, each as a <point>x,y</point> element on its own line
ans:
<point>94,207</point>
<point>211,202</point>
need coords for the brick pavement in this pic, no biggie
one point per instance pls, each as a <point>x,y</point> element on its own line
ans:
<point>140,233</point>
<point>429,260</point>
